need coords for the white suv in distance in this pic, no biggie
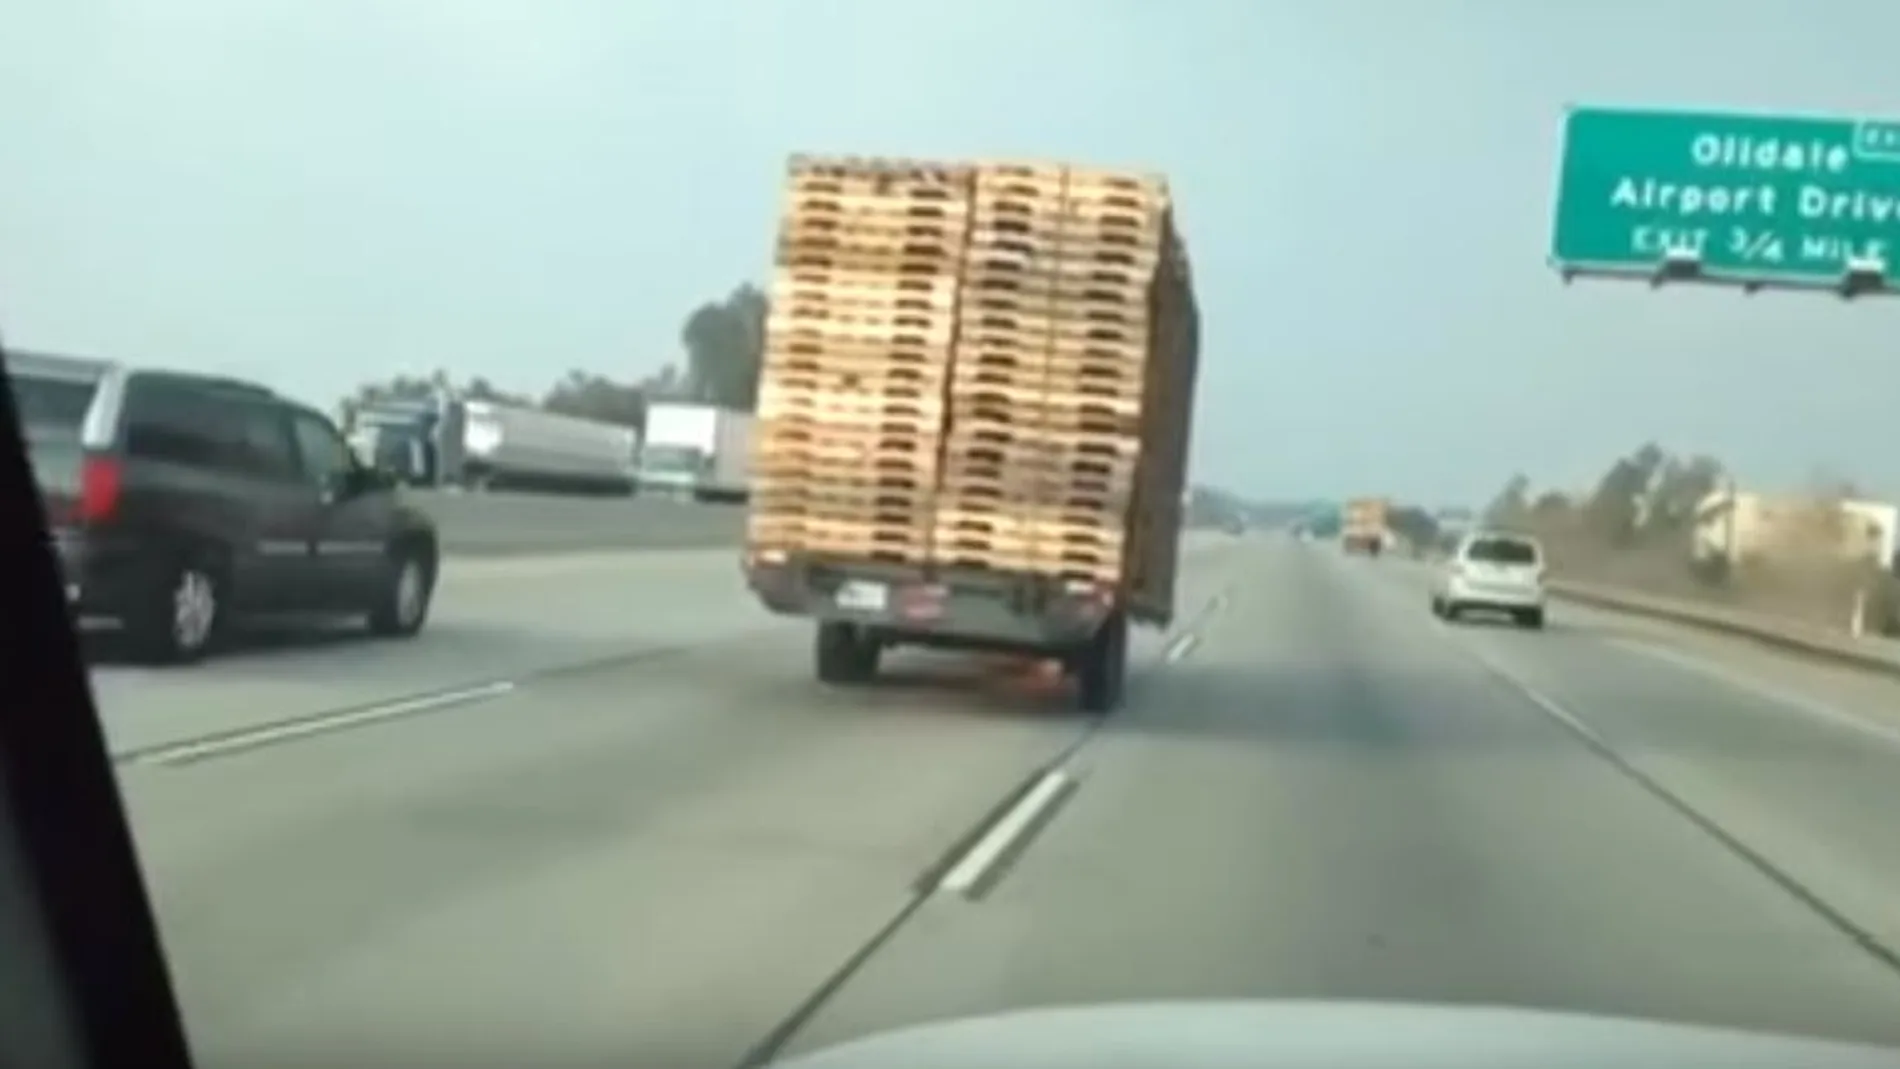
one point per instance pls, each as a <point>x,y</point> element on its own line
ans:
<point>1494,571</point>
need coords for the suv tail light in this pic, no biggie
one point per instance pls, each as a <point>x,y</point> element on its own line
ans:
<point>99,482</point>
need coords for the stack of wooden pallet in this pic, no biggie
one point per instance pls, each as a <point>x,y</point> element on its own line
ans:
<point>858,350</point>
<point>1055,368</point>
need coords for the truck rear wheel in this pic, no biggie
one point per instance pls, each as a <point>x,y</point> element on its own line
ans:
<point>1101,669</point>
<point>843,653</point>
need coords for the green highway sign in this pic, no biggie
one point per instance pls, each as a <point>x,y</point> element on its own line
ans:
<point>1751,199</point>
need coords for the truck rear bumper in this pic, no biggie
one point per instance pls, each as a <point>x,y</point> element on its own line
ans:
<point>958,608</point>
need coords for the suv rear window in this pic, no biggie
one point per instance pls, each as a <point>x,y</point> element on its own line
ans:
<point>1501,551</point>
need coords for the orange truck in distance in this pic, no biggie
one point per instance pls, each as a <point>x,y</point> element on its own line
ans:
<point>1363,526</point>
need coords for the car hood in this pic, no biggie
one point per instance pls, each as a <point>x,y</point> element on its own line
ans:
<point>1328,1035</point>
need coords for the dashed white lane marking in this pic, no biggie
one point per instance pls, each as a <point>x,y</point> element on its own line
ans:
<point>1182,645</point>
<point>1548,705</point>
<point>266,734</point>
<point>1821,711</point>
<point>973,866</point>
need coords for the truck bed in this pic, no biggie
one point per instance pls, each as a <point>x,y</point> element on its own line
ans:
<point>951,607</point>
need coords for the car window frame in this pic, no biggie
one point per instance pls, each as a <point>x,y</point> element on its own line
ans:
<point>291,472</point>
<point>296,416</point>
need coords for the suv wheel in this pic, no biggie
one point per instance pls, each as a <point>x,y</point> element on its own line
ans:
<point>182,615</point>
<point>403,605</point>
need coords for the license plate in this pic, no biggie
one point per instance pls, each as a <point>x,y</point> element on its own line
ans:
<point>862,596</point>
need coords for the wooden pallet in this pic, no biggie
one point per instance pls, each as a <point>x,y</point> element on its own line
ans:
<point>1029,557</point>
<point>848,459</point>
<point>1011,473</point>
<point>1050,299</point>
<point>843,536</point>
<point>895,386</point>
<point>899,327</point>
<point>1056,227</point>
<point>864,289</point>
<point>975,433</point>
<point>784,345</point>
<point>879,252</point>
<point>1101,326</point>
<point>845,459</point>
<point>1060,295</point>
<point>1048,403</point>
<point>1074,500</point>
<point>1024,555</point>
<point>1108,386</point>
<point>953,503</point>
<point>975,335</point>
<point>1024,363</point>
<point>976,413</point>
<point>1043,173</point>
<point>1070,257</point>
<point>1078,513</point>
<point>920,259</point>
<point>1027,542</point>
<point>1083,485</point>
<point>848,538</point>
<point>854,365</point>
<point>894,171</point>
<point>829,201</point>
<point>1048,329</point>
<point>792,353</point>
<point>871,511</point>
<point>904,422</point>
<point>869,231</point>
<point>1053,450</point>
<point>841,413</point>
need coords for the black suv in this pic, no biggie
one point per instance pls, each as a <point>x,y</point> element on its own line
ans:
<point>179,501</point>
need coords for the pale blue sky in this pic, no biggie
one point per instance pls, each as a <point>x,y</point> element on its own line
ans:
<point>315,193</point>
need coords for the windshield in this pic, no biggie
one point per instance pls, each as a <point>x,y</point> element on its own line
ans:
<point>1501,551</point>
<point>394,447</point>
<point>1213,500</point>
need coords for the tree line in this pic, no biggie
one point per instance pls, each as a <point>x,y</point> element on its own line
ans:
<point>1638,527</point>
<point>1649,496</point>
<point>723,342</point>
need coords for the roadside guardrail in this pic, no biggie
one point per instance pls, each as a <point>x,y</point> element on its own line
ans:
<point>1874,654</point>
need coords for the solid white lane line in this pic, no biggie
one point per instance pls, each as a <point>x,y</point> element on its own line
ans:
<point>265,734</point>
<point>969,870</point>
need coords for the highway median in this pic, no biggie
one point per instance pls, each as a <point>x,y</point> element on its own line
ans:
<point>505,525</point>
<point>524,525</point>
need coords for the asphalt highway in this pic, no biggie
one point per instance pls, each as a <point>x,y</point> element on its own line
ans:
<point>600,814</point>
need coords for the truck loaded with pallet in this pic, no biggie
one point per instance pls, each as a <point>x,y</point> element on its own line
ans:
<point>974,413</point>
